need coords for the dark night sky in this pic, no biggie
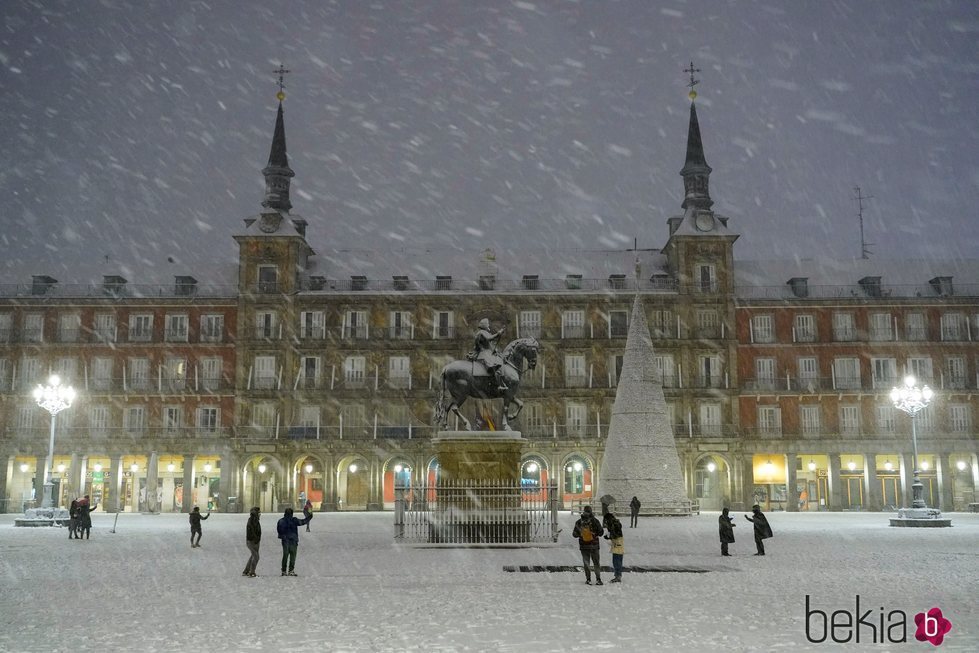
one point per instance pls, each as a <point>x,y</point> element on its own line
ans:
<point>138,130</point>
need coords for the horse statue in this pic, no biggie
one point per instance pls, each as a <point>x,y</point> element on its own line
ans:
<point>464,378</point>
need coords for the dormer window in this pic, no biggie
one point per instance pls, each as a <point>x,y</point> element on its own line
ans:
<point>942,286</point>
<point>530,282</point>
<point>799,286</point>
<point>443,282</point>
<point>400,282</point>
<point>573,281</point>
<point>358,282</point>
<point>487,281</point>
<point>616,281</point>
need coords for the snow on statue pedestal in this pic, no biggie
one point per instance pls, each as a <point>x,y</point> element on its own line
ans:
<point>641,459</point>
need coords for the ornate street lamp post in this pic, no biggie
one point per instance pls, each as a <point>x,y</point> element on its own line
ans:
<point>53,398</point>
<point>912,400</point>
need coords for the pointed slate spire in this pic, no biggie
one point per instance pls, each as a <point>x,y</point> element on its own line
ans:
<point>277,172</point>
<point>695,172</point>
<point>641,459</point>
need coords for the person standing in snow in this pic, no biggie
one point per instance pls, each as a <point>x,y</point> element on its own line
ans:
<point>288,529</point>
<point>72,519</point>
<point>725,528</point>
<point>195,526</point>
<point>616,544</point>
<point>84,519</point>
<point>308,513</point>
<point>762,530</point>
<point>634,506</point>
<point>589,531</point>
<point>253,538</point>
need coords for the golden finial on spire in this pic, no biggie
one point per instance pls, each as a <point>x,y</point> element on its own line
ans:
<point>693,81</point>
<point>280,71</point>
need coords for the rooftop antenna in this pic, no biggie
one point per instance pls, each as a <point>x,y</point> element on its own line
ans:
<point>864,245</point>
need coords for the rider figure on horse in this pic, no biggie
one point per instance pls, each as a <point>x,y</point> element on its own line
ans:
<point>484,351</point>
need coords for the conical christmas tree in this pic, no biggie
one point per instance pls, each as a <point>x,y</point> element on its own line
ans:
<point>640,453</point>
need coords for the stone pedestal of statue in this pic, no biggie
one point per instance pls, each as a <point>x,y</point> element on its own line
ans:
<point>478,491</point>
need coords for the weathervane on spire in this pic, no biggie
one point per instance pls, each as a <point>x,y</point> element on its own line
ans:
<point>281,71</point>
<point>693,80</point>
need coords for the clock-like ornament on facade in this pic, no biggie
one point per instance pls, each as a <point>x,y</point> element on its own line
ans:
<point>704,221</point>
<point>269,222</point>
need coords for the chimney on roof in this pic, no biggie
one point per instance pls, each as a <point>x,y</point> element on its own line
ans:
<point>184,286</point>
<point>799,286</point>
<point>41,283</point>
<point>871,286</point>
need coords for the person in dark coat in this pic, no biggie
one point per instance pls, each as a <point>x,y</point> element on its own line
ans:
<point>84,519</point>
<point>762,530</point>
<point>634,506</point>
<point>253,538</point>
<point>616,544</point>
<point>725,527</point>
<point>195,526</point>
<point>73,519</point>
<point>308,513</point>
<point>288,529</point>
<point>589,531</point>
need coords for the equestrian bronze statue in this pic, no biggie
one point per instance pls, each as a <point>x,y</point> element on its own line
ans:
<point>486,374</point>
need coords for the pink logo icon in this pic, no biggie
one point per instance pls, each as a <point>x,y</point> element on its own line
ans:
<point>932,626</point>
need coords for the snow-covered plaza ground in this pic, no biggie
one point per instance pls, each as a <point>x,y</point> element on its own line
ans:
<point>143,588</point>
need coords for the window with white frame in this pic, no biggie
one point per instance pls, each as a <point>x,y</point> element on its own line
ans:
<point>6,326</point>
<point>533,418</point>
<point>176,330</point>
<point>25,416</point>
<point>210,372</point>
<point>765,373</point>
<point>615,362</point>
<point>915,327</point>
<point>309,416</point>
<point>354,416</point>
<point>138,377</point>
<point>443,324</point>
<point>881,327</point>
<point>66,367</point>
<point>309,370</point>
<point>212,327</point>
<point>574,371</point>
<point>396,416</point>
<point>69,327</point>
<point>804,326</point>
<point>267,325</point>
<point>662,324</point>
<point>573,324</point>
<point>884,414</point>
<point>354,371</point>
<point>268,279</point>
<point>208,418</point>
<point>763,328</point>
<point>710,418</point>
<point>953,326</point>
<point>921,368</point>
<point>104,327</point>
<point>960,418</point>
<point>265,373</point>
<point>400,325</point>
<point>925,420</point>
<point>846,373</point>
<point>955,377</point>
<point>399,371</point>
<point>312,325</point>
<point>710,373</point>
<point>140,327</point>
<point>134,419</point>
<point>30,372</point>
<point>175,373</point>
<point>708,324</point>
<point>850,419</point>
<point>618,324</point>
<point>769,420</point>
<point>355,325</point>
<point>264,415</point>
<point>810,418</point>
<point>98,417</point>
<point>665,368</point>
<point>884,371</point>
<point>576,418</point>
<point>173,418</point>
<point>706,277</point>
<point>808,373</point>
<point>529,324</point>
<point>34,327</point>
<point>5,374</point>
<point>844,327</point>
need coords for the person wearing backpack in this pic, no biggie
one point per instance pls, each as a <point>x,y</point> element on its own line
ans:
<point>616,544</point>
<point>588,530</point>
